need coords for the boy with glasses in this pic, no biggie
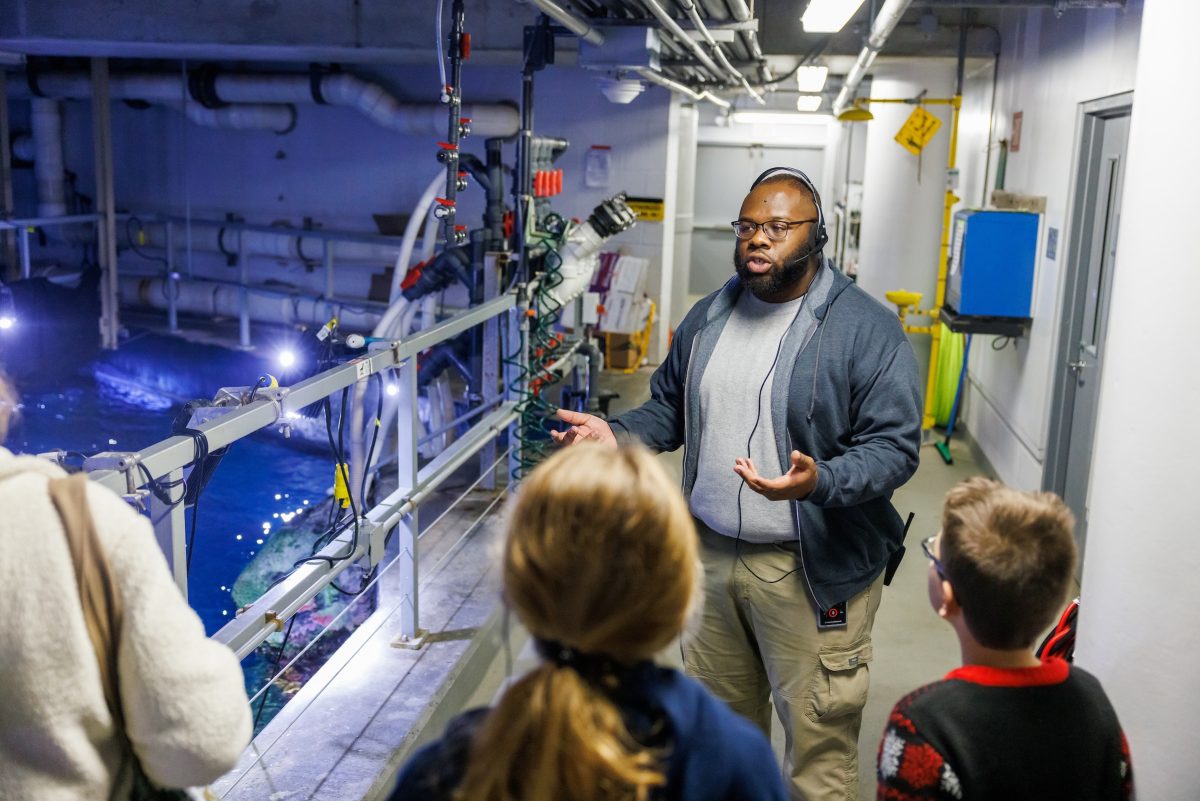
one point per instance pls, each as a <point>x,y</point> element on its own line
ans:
<point>1005,725</point>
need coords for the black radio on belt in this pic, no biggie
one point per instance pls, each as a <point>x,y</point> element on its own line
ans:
<point>833,617</point>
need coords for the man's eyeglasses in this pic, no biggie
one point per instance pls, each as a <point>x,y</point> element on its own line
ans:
<point>927,547</point>
<point>776,230</point>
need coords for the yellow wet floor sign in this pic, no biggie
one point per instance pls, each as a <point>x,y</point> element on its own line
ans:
<point>918,130</point>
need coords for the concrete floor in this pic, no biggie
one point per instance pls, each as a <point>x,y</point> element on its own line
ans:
<point>912,645</point>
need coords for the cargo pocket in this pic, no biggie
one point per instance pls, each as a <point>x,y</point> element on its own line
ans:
<point>840,683</point>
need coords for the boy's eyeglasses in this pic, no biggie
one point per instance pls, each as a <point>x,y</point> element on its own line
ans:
<point>927,547</point>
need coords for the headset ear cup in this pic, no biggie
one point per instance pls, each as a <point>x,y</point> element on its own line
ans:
<point>821,239</point>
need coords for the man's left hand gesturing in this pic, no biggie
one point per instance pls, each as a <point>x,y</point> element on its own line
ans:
<point>793,485</point>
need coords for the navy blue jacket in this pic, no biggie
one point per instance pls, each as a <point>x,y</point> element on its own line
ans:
<point>712,754</point>
<point>853,403</point>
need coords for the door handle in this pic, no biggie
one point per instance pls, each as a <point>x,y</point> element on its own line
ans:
<point>1077,366</point>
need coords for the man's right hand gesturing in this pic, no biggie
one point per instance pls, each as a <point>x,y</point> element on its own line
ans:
<point>583,427</point>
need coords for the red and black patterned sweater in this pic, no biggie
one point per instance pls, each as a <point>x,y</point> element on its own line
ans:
<point>988,733</point>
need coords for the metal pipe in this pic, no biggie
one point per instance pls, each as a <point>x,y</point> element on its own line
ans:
<point>718,51</point>
<point>665,82</point>
<point>580,27</point>
<point>681,36</point>
<point>889,16</point>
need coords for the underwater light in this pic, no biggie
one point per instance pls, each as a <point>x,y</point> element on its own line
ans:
<point>8,317</point>
<point>392,389</point>
<point>286,358</point>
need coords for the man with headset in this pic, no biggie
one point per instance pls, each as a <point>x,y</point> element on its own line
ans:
<point>805,390</point>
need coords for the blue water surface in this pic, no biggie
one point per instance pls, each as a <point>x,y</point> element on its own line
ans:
<point>259,485</point>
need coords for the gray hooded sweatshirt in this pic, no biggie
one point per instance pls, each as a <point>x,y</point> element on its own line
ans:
<point>852,402</point>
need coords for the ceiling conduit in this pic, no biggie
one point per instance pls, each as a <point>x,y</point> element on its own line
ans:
<point>881,29</point>
<point>576,25</point>
<point>675,86</point>
<point>700,27</point>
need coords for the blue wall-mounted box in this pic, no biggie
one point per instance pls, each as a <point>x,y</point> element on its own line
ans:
<point>992,259</point>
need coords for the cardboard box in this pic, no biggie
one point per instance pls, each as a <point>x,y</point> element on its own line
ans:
<point>620,353</point>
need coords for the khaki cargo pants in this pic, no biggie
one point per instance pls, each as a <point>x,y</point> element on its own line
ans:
<point>756,642</point>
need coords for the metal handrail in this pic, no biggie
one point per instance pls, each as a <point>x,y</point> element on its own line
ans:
<point>127,473</point>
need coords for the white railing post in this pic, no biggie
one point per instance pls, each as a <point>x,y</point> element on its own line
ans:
<point>408,430</point>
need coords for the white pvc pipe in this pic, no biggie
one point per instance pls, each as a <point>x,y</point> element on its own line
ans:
<point>410,233</point>
<point>274,117</point>
<point>369,99</point>
<point>283,245</point>
<point>580,258</point>
<point>223,300</point>
<point>168,90</point>
<point>46,123</point>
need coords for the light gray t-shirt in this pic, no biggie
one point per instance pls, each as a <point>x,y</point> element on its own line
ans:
<point>730,400</point>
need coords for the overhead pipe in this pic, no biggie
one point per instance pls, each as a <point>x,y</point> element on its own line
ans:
<point>278,118</point>
<point>576,25</point>
<point>657,77</point>
<point>166,90</point>
<point>889,16</point>
<point>698,23</point>
<point>339,89</point>
<point>223,299</point>
<point>680,34</point>
<point>286,244</point>
<point>369,99</point>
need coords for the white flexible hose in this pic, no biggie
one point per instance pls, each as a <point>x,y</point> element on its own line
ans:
<point>410,232</point>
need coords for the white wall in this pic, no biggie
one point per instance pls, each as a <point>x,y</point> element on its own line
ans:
<point>1138,615</point>
<point>1048,66</point>
<point>903,195</point>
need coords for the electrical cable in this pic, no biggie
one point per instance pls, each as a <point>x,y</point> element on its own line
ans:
<point>737,546</point>
<point>278,658</point>
<point>133,242</point>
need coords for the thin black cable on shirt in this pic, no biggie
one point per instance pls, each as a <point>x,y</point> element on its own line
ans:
<point>737,546</point>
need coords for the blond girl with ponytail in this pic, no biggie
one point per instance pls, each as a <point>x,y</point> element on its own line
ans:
<point>600,565</point>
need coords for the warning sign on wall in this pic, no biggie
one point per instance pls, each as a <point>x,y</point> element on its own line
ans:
<point>918,130</point>
<point>648,209</point>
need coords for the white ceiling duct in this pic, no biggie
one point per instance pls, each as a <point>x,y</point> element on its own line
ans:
<point>881,29</point>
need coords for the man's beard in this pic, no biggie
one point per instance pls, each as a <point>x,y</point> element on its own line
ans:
<point>775,281</point>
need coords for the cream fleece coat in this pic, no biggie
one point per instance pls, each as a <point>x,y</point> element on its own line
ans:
<point>185,703</point>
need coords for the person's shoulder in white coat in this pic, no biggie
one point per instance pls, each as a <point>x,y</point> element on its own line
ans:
<point>183,694</point>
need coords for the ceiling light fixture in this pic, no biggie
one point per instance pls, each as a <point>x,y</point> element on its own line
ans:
<point>811,79</point>
<point>828,16</point>
<point>808,102</point>
<point>778,118</point>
